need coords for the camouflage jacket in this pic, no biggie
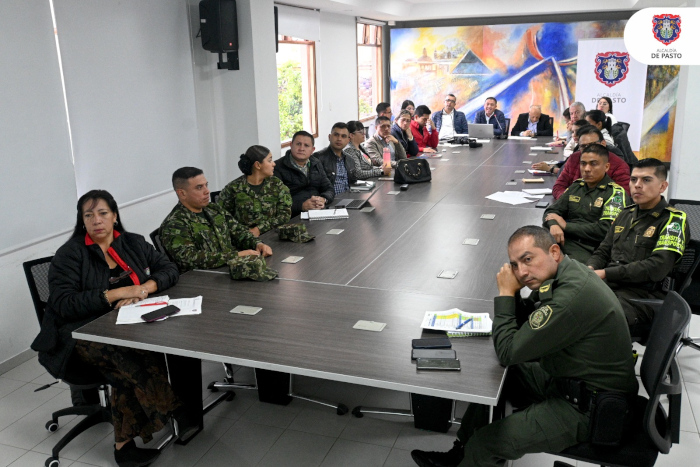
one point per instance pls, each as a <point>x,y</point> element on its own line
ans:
<point>267,210</point>
<point>203,241</point>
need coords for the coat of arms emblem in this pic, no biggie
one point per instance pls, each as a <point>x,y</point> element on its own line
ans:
<point>611,67</point>
<point>666,28</point>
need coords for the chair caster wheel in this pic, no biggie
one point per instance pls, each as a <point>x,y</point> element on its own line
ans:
<point>357,412</point>
<point>212,388</point>
<point>52,462</point>
<point>342,409</point>
<point>51,426</point>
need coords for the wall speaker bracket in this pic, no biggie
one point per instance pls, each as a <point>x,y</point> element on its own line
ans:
<point>231,64</point>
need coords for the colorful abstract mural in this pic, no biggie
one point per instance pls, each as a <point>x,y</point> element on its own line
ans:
<point>520,65</point>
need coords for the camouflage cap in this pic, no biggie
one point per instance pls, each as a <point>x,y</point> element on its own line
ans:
<point>294,232</point>
<point>251,267</point>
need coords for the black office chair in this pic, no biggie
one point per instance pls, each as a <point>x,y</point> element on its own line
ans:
<point>692,211</point>
<point>654,431</point>
<point>214,196</point>
<point>506,132</point>
<point>155,239</point>
<point>618,132</point>
<point>678,281</point>
<point>82,379</point>
<point>625,125</point>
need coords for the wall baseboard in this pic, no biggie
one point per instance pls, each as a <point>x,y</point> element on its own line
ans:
<point>17,360</point>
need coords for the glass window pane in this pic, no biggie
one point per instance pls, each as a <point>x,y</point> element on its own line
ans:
<point>369,69</point>
<point>369,77</point>
<point>296,89</point>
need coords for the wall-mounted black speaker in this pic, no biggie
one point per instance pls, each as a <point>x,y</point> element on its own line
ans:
<point>219,25</point>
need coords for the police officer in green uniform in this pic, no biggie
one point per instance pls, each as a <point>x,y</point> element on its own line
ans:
<point>643,244</point>
<point>257,199</point>
<point>562,348</point>
<point>200,234</point>
<point>581,217</point>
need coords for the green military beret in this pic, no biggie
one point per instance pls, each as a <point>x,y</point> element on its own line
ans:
<point>294,232</point>
<point>251,267</point>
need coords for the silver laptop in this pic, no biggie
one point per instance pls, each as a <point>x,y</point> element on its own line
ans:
<point>481,130</point>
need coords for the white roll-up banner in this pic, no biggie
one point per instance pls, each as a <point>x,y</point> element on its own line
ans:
<point>605,68</point>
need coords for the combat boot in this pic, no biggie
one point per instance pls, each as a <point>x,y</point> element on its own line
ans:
<point>451,458</point>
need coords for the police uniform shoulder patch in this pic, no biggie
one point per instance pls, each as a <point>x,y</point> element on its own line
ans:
<point>598,202</point>
<point>672,209</point>
<point>540,317</point>
<point>545,288</point>
<point>574,199</point>
<point>655,214</point>
<point>672,237</point>
<point>650,231</point>
<point>619,228</point>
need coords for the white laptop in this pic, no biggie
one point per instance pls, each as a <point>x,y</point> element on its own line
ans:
<point>481,130</point>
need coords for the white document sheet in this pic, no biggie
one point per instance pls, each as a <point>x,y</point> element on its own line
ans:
<point>131,314</point>
<point>538,191</point>
<point>509,197</point>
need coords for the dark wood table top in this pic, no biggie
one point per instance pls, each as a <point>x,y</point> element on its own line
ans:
<point>306,328</point>
<point>473,190</point>
<point>383,267</point>
<point>435,243</point>
<point>336,259</point>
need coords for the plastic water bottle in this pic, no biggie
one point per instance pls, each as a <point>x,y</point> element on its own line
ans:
<point>386,155</point>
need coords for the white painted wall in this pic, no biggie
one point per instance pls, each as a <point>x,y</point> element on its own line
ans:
<point>237,108</point>
<point>234,109</point>
<point>336,73</point>
<point>685,163</point>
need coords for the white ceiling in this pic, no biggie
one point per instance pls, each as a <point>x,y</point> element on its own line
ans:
<point>416,10</point>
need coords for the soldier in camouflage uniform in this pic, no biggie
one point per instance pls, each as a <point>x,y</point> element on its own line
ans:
<point>257,199</point>
<point>643,244</point>
<point>198,234</point>
<point>581,217</point>
<point>564,345</point>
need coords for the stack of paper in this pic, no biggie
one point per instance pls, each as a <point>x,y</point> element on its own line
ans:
<point>538,191</point>
<point>540,148</point>
<point>325,214</point>
<point>458,322</point>
<point>521,137</point>
<point>510,197</point>
<point>131,314</point>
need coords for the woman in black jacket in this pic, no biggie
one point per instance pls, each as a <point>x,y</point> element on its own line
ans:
<point>102,267</point>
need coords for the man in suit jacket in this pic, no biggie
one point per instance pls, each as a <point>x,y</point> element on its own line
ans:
<point>490,114</point>
<point>533,123</point>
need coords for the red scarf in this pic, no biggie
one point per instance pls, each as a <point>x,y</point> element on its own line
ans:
<point>115,257</point>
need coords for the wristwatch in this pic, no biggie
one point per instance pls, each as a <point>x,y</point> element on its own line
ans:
<point>104,295</point>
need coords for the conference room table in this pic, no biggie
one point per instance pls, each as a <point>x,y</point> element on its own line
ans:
<point>382,267</point>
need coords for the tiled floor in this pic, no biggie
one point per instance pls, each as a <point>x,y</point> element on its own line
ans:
<point>246,432</point>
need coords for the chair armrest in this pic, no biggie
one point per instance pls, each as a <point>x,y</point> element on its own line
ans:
<point>652,302</point>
